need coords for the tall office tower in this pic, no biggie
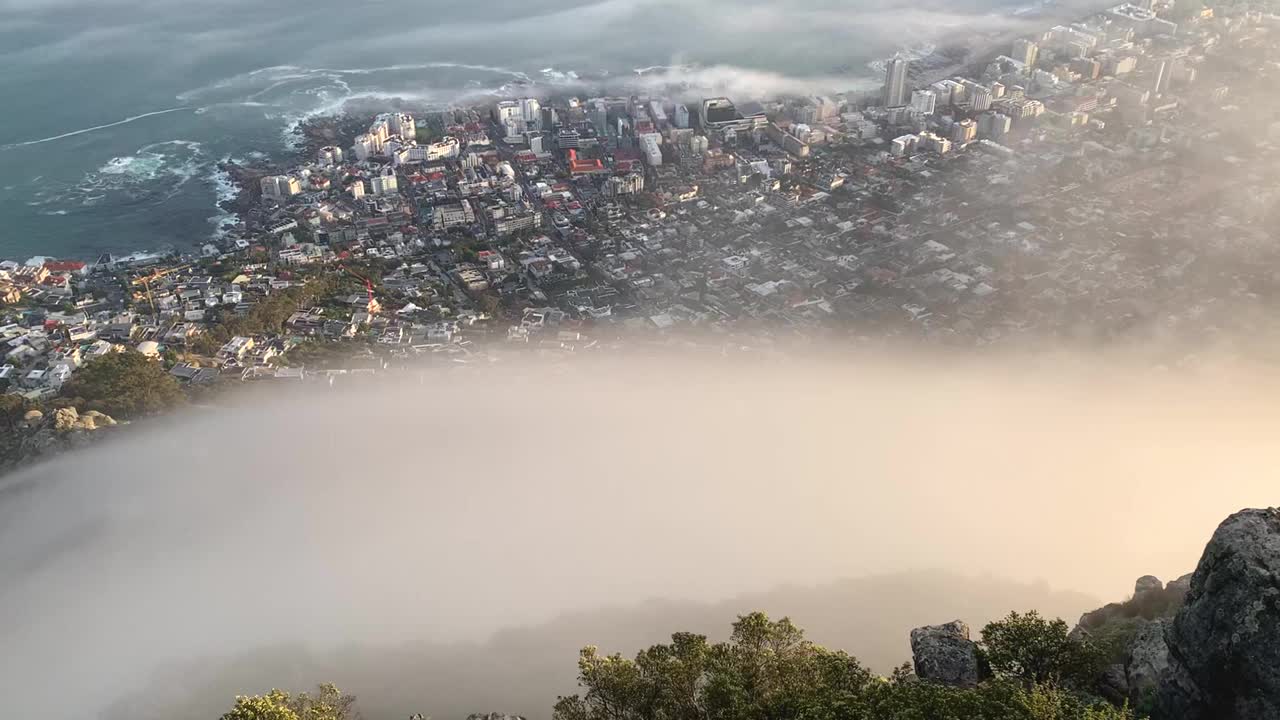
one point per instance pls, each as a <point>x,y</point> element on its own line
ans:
<point>895,82</point>
<point>531,110</point>
<point>1026,51</point>
<point>599,117</point>
<point>682,115</point>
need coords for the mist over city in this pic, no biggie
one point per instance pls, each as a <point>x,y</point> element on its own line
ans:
<point>639,360</point>
<point>354,520</point>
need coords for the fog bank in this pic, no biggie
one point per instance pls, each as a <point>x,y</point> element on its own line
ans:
<point>442,507</point>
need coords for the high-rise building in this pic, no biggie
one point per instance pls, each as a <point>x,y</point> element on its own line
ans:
<point>531,111</point>
<point>599,117</point>
<point>980,98</point>
<point>994,126</point>
<point>718,110</point>
<point>280,186</point>
<point>1025,52</point>
<point>550,119</point>
<point>380,132</point>
<point>924,102</point>
<point>942,91</point>
<point>903,145</point>
<point>507,110</point>
<point>364,147</point>
<point>965,131</point>
<point>383,184</point>
<point>651,146</point>
<point>681,115</point>
<point>329,155</point>
<point>402,124</point>
<point>895,82</point>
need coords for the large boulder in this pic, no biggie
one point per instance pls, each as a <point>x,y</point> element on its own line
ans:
<point>65,419</point>
<point>1146,584</point>
<point>945,654</point>
<point>1148,659</point>
<point>1224,644</point>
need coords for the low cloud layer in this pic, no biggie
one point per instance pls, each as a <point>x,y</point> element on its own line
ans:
<point>444,506</point>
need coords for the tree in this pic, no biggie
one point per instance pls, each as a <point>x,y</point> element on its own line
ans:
<point>272,706</point>
<point>125,385</point>
<point>328,703</point>
<point>12,409</point>
<point>766,671</point>
<point>769,671</point>
<point>1034,650</point>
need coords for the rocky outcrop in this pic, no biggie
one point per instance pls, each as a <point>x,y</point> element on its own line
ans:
<point>1224,644</point>
<point>945,654</point>
<point>68,419</point>
<point>1181,586</point>
<point>40,436</point>
<point>1146,584</point>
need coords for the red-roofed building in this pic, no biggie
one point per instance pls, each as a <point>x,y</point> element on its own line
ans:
<point>65,266</point>
<point>584,167</point>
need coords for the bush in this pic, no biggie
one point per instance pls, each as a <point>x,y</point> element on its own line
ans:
<point>768,671</point>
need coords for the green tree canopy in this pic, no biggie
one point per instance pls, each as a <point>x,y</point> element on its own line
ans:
<point>1033,649</point>
<point>124,385</point>
<point>327,703</point>
<point>272,706</point>
<point>769,671</point>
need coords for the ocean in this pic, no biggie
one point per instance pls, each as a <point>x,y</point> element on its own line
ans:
<point>117,112</point>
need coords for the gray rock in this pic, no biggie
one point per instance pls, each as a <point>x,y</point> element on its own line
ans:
<point>1114,684</point>
<point>1181,586</point>
<point>1224,644</point>
<point>1146,584</point>
<point>1148,659</point>
<point>945,654</point>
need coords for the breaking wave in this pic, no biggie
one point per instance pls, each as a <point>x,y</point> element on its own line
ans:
<point>94,128</point>
<point>151,175</point>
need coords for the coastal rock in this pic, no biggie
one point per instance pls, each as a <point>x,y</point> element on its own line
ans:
<point>945,654</point>
<point>1148,659</point>
<point>1224,644</point>
<point>1146,584</point>
<point>32,418</point>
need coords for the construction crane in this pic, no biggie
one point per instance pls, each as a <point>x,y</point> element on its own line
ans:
<point>373,306</point>
<point>146,280</point>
